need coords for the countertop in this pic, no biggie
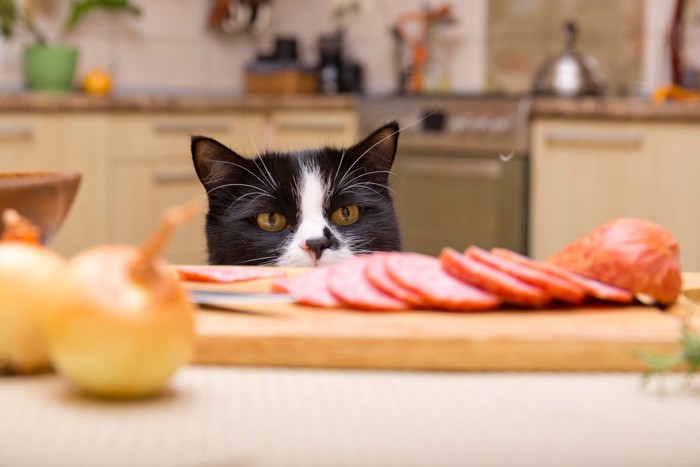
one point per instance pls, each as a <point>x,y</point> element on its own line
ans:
<point>217,416</point>
<point>617,108</point>
<point>614,108</point>
<point>39,102</point>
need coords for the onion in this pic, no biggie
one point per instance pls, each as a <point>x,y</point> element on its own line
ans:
<point>121,325</point>
<point>27,271</point>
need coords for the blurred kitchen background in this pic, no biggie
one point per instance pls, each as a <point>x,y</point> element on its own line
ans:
<point>492,46</point>
<point>611,130</point>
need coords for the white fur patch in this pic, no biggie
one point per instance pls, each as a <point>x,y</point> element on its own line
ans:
<point>312,203</point>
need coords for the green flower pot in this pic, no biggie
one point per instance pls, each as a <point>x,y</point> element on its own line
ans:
<point>50,67</point>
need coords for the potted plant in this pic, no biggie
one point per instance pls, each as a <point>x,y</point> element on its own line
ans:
<point>50,66</point>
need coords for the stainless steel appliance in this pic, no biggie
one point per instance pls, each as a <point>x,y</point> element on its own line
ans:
<point>570,73</point>
<point>461,170</point>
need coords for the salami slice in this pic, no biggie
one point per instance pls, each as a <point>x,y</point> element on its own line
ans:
<point>557,287</point>
<point>376,272</point>
<point>227,274</point>
<point>347,281</point>
<point>592,287</point>
<point>425,276</point>
<point>509,288</point>
<point>310,288</point>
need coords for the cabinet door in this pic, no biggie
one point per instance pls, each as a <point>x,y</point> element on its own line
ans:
<point>63,141</point>
<point>140,189</point>
<point>307,129</point>
<point>156,134</point>
<point>585,173</point>
<point>19,145</point>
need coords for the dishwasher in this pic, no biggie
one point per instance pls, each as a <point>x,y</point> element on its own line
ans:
<point>460,176</point>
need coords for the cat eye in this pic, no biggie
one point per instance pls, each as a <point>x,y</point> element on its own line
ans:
<point>346,215</point>
<point>271,221</point>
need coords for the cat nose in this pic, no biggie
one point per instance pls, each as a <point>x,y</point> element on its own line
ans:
<point>317,245</point>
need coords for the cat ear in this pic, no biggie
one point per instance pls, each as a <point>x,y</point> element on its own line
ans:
<point>381,145</point>
<point>211,159</point>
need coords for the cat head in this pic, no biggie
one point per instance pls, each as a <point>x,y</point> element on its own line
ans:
<point>302,208</point>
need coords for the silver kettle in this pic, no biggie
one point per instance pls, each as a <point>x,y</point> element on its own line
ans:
<point>569,73</point>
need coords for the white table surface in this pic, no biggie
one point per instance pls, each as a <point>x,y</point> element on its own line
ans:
<point>215,416</point>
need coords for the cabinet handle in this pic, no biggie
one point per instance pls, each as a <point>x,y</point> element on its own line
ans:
<point>17,131</point>
<point>311,125</point>
<point>624,138</point>
<point>174,176</point>
<point>449,167</point>
<point>202,126</point>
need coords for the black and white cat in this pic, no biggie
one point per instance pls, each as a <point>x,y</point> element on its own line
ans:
<point>303,208</point>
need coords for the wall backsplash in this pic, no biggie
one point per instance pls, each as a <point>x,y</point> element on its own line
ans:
<point>524,33</point>
<point>496,45</point>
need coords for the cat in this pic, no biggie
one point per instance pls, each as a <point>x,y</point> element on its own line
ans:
<point>304,208</point>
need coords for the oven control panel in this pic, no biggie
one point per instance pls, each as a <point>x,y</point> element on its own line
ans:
<point>488,123</point>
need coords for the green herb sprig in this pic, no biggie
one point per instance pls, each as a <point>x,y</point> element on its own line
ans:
<point>688,355</point>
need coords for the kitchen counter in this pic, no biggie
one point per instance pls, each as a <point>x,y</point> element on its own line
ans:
<point>216,416</point>
<point>617,108</point>
<point>614,108</point>
<point>31,102</point>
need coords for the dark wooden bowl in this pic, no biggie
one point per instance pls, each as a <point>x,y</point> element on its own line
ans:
<point>42,197</point>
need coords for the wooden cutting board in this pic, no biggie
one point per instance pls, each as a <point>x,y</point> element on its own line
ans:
<point>595,337</point>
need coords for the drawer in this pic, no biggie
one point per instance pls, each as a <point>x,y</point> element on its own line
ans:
<point>170,134</point>
<point>139,192</point>
<point>312,129</point>
<point>19,146</point>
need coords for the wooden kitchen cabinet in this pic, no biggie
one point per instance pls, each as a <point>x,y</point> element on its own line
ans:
<point>158,134</point>
<point>151,168</point>
<point>138,192</point>
<point>305,129</point>
<point>72,142</point>
<point>586,172</point>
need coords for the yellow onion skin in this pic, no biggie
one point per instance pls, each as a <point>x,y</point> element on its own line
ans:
<point>115,337</point>
<point>27,274</point>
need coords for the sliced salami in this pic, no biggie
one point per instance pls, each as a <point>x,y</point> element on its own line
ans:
<point>348,282</point>
<point>559,288</point>
<point>227,274</point>
<point>376,272</point>
<point>509,288</point>
<point>592,287</point>
<point>425,276</point>
<point>310,288</point>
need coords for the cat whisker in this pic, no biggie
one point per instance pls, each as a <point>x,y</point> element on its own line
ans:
<point>250,136</point>
<point>269,175</point>
<point>374,183</point>
<point>247,170</point>
<point>382,140</point>
<point>345,148</point>
<point>350,191</point>
<point>343,182</point>
<point>272,257</point>
<point>243,196</point>
<point>257,189</point>
<point>354,192</point>
<point>271,182</point>
<point>350,182</point>
<point>363,251</point>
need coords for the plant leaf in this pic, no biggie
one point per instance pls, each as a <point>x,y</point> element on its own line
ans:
<point>659,363</point>
<point>80,8</point>
<point>689,354</point>
<point>8,16</point>
<point>691,348</point>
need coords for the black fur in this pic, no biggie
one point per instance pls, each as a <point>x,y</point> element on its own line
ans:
<point>239,188</point>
